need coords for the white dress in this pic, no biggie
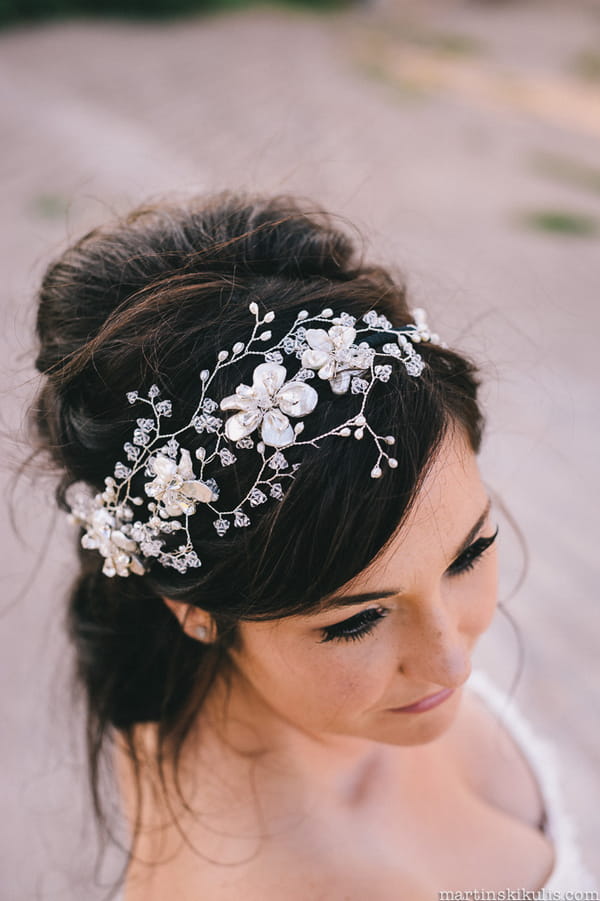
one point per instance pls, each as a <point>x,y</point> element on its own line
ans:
<point>570,873</point>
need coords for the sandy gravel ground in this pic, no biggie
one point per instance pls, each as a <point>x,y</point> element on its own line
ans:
<point>440,136</point>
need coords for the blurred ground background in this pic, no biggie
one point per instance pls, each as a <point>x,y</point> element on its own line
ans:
<point>462,139</point>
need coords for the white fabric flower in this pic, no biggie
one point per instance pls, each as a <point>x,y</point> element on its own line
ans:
<point>117,549</point>
<point>267,404</point>
<point>175,486</point>
<point>335,356</point>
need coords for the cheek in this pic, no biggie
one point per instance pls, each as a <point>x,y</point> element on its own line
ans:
<point>320,683</point>
<point>352,676</point>
<point>481,596</point>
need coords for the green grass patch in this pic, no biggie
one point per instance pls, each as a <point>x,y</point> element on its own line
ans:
<point>21,11</point>
<point>561,222</point>
<point>50,206</point>
<point>586,65</point>
<point>400,87</point>
<point>447,43</point>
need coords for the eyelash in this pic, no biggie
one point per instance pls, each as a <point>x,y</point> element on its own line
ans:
<point>469,558</point>
<point>363,623</point>
<point>356,627</point>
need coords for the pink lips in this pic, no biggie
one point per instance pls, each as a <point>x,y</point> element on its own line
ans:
<point>426,703</point>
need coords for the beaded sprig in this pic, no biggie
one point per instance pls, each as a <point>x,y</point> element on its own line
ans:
<point>338,351</point>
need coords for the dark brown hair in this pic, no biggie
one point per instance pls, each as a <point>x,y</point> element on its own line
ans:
<point>151,299</point>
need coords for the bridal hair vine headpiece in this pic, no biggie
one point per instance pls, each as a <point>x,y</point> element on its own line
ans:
<point>332,347</point>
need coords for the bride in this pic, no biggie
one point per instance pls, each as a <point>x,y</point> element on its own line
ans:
<point>287,556</point>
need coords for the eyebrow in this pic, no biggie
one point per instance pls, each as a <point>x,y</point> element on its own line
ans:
<point>351,599</point>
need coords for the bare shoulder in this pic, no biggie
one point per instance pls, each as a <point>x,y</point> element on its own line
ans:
<point>492,763</point>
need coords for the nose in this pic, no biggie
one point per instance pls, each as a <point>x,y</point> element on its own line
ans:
<point>436,653</point>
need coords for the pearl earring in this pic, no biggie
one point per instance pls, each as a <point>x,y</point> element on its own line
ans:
<point>201,633</point>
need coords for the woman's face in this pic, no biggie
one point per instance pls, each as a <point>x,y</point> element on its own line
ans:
<point>406,629</point>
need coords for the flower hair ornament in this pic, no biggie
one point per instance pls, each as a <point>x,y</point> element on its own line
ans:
<point>266,419</point>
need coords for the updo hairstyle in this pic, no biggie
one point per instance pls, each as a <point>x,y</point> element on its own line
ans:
<point>152,298</point>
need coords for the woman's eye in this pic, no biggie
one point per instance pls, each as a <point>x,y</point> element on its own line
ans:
<point>469,558</point>
<point>356,627</point>
<point>359,626</point>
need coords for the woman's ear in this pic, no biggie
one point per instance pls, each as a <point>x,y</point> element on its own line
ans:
<point>195,622</point>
